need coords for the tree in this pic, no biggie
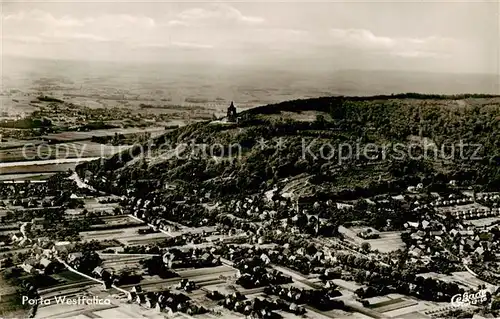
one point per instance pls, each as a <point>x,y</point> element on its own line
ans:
<point>495,304</point>
<point>365,246</point>
<point>311,249</point>
<point>360,292</point>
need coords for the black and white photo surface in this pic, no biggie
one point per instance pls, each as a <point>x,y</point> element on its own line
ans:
<point>249,159</point>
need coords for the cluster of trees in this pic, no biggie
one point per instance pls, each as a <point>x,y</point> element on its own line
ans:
<point>382,279</point>
<point>26,123</point>
<point>91,246</point>
<point>156,266</point>
<point>254,274</point>
<point>51,188</point>
<point>89,260</point>
<point>322,299</point>
<point>45,98</point>
<point>121,139</point>
<point>126,277</point>
<point>57,226</point>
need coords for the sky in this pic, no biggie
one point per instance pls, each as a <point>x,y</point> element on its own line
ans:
<point>438,36</point>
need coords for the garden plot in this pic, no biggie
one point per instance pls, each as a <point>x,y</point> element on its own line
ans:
<point>123,235</point>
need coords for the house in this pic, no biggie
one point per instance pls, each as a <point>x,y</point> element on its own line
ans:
<point>101,273</point>
<point>265,259</point>
<point>43,241</point>
<point>168,310</point>
<point>261,240</point>
<point>27,267</point>
<point>416,252</point>
<point>74,196</point>
<point>150,303</point>
<point>186,285</point>
<point>479,251</point>
<point>16,237</point>
<point>74,258</point>
<point>140,299</point>
<point>168,259</point>
<point>425,224</point>
<point>98,271</point>
<point>466,232</point>
<point>62,246</point>
<point>160,306</point>
<point>44,262</point>
<point>37,223</point>
<point>411,225</point>
<point>206,257</point>
<point>136,289</point>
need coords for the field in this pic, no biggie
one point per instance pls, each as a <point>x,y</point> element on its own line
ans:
<point>69,276</point>
<point>73,136</point>
<point>81,149</point>
<point>118,262</point>
<point>399,306</point>
<point>388,241</point>
<point>466,278</point>
<point>93,205</point>
<point>24,177</point>
<point>125,236</point>
<point>349,285</point>
<point>394,304</point>
<point>31,169</point>
<point>483,222</point>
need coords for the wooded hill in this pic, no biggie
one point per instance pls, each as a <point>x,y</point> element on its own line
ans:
<point>268,148</point>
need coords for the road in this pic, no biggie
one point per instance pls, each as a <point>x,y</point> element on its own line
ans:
<point>48,162</point>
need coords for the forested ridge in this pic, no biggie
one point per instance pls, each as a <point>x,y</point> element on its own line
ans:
<point>266,149</point>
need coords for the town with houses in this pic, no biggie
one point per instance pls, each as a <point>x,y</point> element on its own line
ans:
<point>68,250</point>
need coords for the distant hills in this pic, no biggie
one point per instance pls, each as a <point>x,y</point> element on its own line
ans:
<point>243,84</point>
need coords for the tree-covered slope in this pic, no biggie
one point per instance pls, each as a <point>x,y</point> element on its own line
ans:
<point>332,147</point>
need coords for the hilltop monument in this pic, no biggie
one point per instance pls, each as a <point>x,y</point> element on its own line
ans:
<point>232,115</point>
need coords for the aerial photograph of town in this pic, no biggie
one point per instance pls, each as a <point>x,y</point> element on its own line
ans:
<point>249,159</point>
